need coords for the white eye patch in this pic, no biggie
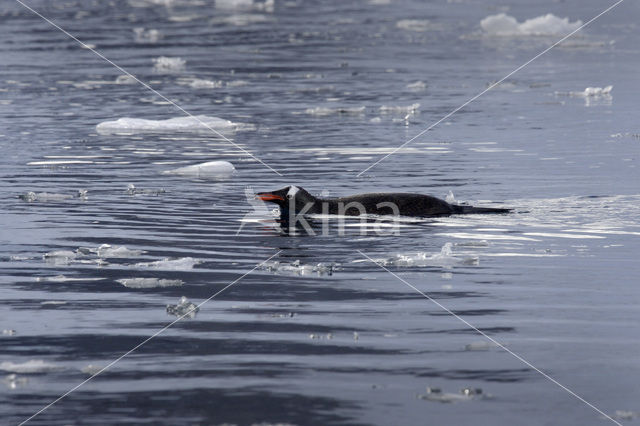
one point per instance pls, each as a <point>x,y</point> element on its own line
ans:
<point>292,191</point>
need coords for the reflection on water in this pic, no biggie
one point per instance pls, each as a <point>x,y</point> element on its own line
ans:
<point>120,213</point>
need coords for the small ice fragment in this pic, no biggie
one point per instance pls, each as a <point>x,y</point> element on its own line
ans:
<point>417,86</point>
<point>107,251</point>
<point>29,367</point>
<point>323,111</point>
<point>450,198</point>
<point>356,336</point>
<point>8,332</point>
<point>182,264</point>
<point>149,282</point>
<point>125,79</point>
<point>183,308</point>
<point>466,394</point>
<point>31,197</point>
<point>410,109</point>
<point>132,190</point>
<point>59,257</point>
<point>53,302</point>
<point>166,65</point>
<point>13,381</point>
<point>142,35</point>
<point>211,169</point>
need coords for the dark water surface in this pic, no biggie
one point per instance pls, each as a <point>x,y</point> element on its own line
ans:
<point>318,88</point>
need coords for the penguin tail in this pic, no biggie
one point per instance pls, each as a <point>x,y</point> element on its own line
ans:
<point>483,210</point>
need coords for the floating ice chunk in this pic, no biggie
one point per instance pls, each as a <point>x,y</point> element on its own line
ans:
<point>297,268</point>
<point>107,251</point>
<point>59,257</point>
<point>182,264</point>
<point>450,198</point>
<point>549,24</point>
<point>410,109</point>
<point>322,111</point>
<point>624,415</point>
<point>53,302</point>
<point>593,91</point>
<point>183,308</point>
<point>243,19</point>
<point>192,124</point>
<point>444,259</point>
<point>466,394</point>
<point>125,79</point>
<point>13,381</point>
<point>417,86</point>
<point>149,282</point>
<point>8,332</point>
<point>132,190</point>
<point>166,65</point>
<point>211,169</point>
<point>199,83</point>
<point>29,367</point>
<point>31,197</point>
<point>142,35</point>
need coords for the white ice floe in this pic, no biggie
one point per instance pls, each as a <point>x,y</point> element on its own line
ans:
<point>166,65</point>
<point>191,124</point>
<point>149,282</point>
<point>29,367</point>
<point>8,332</point>
<point>183,308</point>
<point>297,268</point>
<point>211,169</point>
<point>445,259</point>
<point>545,25</point>
<point>182,264</point>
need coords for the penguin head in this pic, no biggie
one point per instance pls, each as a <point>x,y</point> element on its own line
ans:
<point>288,198</point>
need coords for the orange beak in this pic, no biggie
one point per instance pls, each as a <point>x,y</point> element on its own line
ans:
<point>269,197</point>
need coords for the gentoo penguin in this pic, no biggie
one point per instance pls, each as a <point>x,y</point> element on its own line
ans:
<point>391,203</point>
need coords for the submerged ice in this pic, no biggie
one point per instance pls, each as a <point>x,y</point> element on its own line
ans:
<point>183,308</point>
<point>298,268</point>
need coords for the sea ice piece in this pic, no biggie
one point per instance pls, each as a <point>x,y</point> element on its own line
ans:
<point>181,264</point>
<point>545,25</point>
<point>183,308</point>
<point>31,366</point>
<point>190,124</point>
<point>167,65</point>
<point>149,282</point>
<point>210,169</point>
